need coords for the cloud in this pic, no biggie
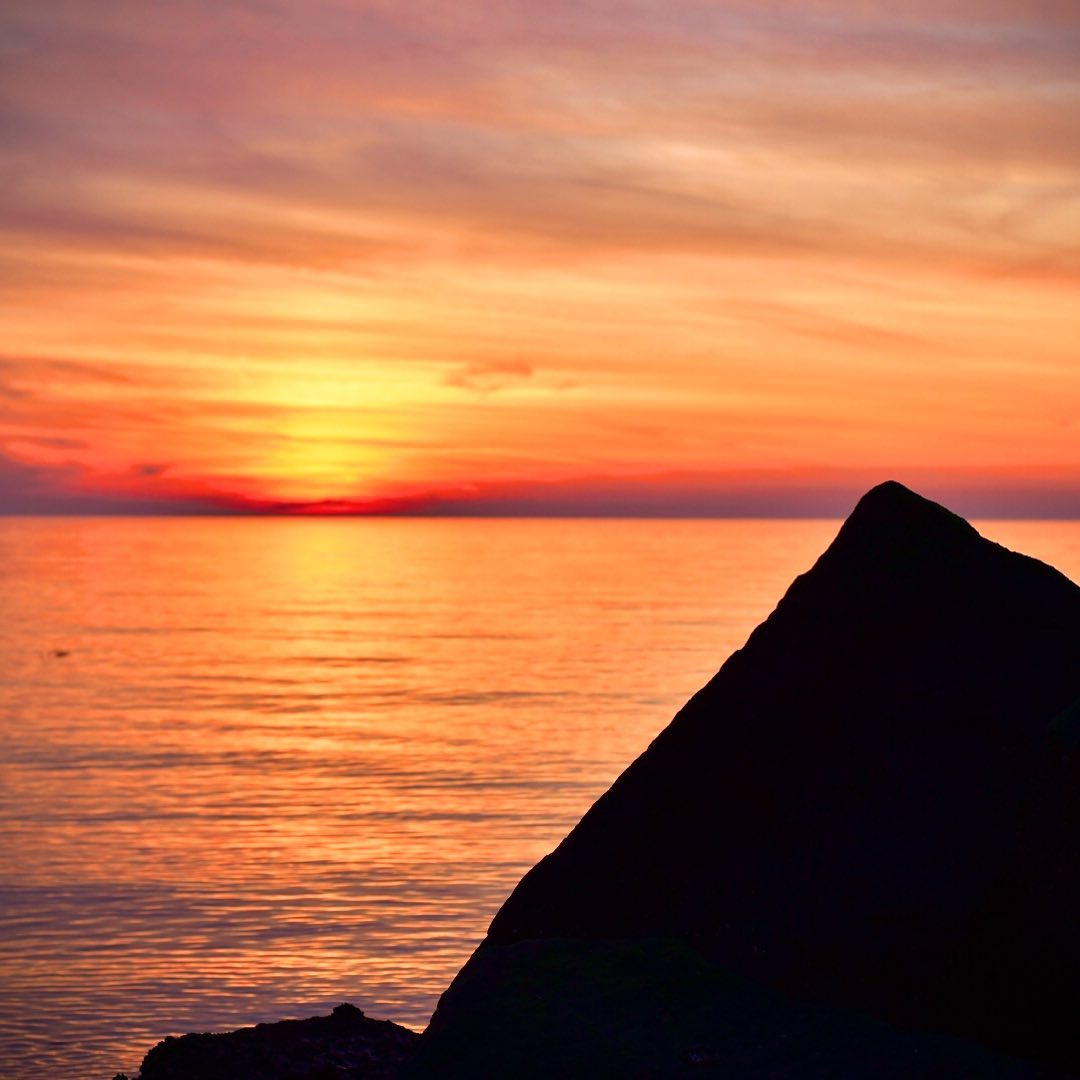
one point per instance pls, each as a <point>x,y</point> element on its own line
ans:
<point>53,442</point>
<point>149,469</point>
<point>334,135</point>
<point>28,489</point>
<point>38,369</point>
<point>488,377</point>
<point>370,240</point>
<point>757,493</point>
<point>71,488</point>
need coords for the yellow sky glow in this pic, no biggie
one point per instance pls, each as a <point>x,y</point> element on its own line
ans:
<point>339,252</point>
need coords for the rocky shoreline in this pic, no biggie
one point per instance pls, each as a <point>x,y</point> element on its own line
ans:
<point>346,1045</point>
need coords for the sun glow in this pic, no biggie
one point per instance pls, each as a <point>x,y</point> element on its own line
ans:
<point>425,256</point>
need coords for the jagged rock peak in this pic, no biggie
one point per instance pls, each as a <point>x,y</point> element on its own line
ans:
<point>891,519</point>
<point>892,503</point>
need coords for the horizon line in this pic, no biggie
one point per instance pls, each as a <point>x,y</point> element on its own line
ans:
<point>285,515</point>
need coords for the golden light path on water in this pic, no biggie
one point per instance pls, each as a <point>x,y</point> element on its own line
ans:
<point>252,768</point>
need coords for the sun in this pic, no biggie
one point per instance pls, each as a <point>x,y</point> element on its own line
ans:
<point>317,460</point>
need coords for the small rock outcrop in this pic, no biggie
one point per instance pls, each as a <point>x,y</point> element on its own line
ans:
<point>858,841</point>
<point>346,1045</point>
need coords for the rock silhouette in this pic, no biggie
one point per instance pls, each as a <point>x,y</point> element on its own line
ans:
<point>346,1045</point>
<point>858,841</point>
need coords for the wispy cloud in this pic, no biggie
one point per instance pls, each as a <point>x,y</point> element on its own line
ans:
<point>487,377</point>
<point>359,247</point>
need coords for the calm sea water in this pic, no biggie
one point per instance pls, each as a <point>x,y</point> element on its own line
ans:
<point>253,768</point>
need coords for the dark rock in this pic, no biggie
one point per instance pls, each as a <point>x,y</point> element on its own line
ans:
<point>343,1046</point>
<point>873,806</point>
<point>656,1008</point>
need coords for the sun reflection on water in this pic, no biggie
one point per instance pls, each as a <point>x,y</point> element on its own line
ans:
<point>251,769</point>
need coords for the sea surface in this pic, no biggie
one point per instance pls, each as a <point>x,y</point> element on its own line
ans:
<point>250,769</point>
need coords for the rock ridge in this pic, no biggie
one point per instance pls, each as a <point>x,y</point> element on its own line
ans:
<point>870,806</point>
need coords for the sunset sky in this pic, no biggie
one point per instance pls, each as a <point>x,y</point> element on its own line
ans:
<point>558,257</point>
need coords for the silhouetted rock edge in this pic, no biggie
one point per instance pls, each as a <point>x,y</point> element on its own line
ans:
<point>346,1045</point>
<point>873,804</point>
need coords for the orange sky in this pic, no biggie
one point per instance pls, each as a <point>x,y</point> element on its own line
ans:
<point>627,256</point>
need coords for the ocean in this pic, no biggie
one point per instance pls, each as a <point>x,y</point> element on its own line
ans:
<point>252,768</point>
